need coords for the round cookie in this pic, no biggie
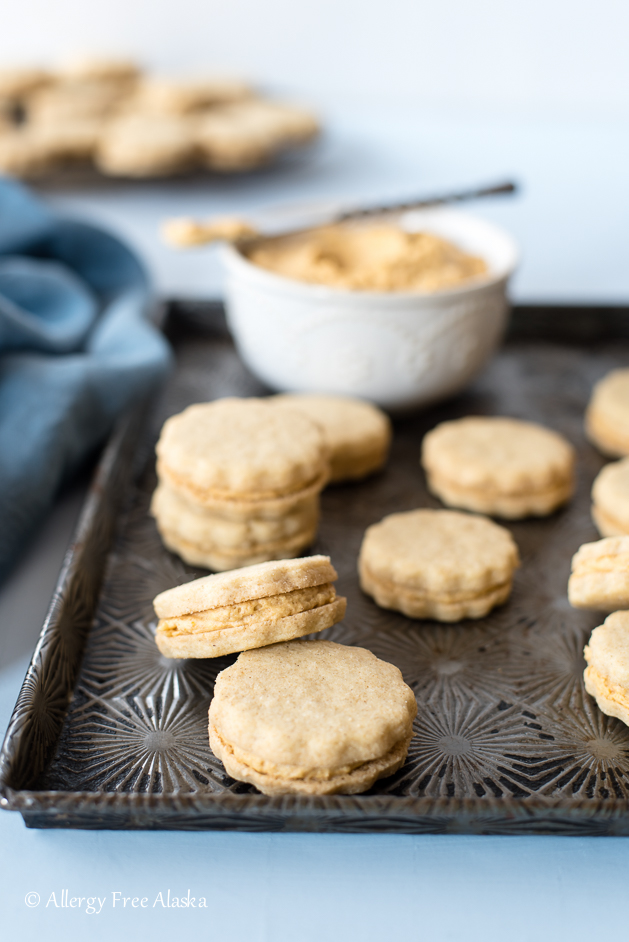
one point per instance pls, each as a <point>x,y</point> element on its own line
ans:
<point>607,674</point>
<point>248,608</point>
<point>437,564</point>
<point>610,499</point>
<point>146,145</point>
<point>600,575</point>
<point>240,449</point>
<point>311,718</point>
<point>357,433</point>
<point>499,466</point>
<point>183,96</point>
<point>248,133</point>
<point>607,415</point>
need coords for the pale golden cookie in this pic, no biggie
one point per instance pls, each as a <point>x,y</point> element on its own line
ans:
<point>600,575</point>
<point>610,499</point>
<point>499,466</point>
<point>607,415</point>
<point>33,151</point>
<point>72,102</point>
<point>137,145</point>
<point>241,449</point>
<point>184,96</point>
<point>17,83</point>
<point>249,133</point>
<point>248,608</point>
<point>210,528</point>
<point>437,564</point>
<point>607,674</point>
<point>357,433</point>
<point>311,717</point>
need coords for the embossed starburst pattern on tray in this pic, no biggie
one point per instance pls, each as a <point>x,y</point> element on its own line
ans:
<point>503,713</point>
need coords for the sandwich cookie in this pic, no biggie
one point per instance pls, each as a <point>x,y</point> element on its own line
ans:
<point>311,718</point>
<point>357,433</point>
<point>248,608</point>
<point>607,674</point>
<point>610,499</point>
<point>239,482</point>
<point>437,564</point>
<point>600,575</point>
<point>607,415</point>
<point>218,539</point>
<point>499,466</point>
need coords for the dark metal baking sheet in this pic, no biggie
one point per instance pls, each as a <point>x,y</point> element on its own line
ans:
<point>109,734</point>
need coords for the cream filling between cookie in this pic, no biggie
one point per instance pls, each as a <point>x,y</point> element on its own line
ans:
<point>209,496</point>
<point>420,594</point>
<point>243,614</point>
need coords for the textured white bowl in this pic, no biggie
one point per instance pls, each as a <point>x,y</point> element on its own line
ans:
<point>399,350</point>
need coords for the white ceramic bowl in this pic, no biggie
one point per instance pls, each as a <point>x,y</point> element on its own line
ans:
<point>400,350</point>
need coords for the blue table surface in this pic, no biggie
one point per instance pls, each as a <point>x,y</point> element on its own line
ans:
<point>571,221</point>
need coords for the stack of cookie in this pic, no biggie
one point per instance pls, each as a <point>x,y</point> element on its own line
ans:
<point>290,716</point>
<point>239,483</point>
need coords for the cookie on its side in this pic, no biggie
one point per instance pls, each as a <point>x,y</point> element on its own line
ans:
<point>607,674</point>
<point>248,608</point>
<point>311,718</point>
<point>357,433</point>
<point>438,564</point>
<point>610,499</point>
<point>607,414</point>
<point>499,466</point>
<point>600,575</point>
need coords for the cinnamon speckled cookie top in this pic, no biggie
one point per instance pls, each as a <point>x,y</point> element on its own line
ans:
<point>242,447</point>
<point>309,706</point>
<point>239,585</point>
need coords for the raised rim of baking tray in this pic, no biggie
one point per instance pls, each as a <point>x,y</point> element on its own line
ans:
<point>42,704</point>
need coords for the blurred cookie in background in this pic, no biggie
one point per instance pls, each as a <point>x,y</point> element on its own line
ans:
<point>124,123</point>
<point>607,414</point>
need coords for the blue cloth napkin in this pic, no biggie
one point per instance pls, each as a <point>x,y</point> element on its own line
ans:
<point>77,349</point>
